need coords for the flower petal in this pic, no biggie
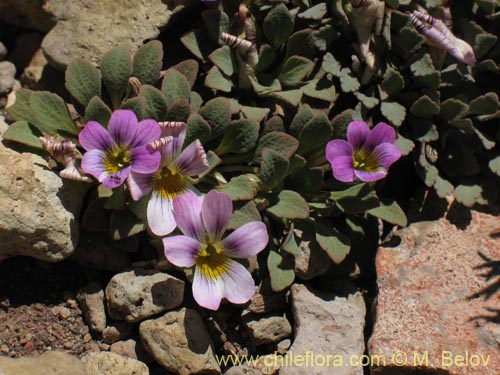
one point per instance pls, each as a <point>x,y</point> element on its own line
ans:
<point>160,215</point>
<point>357,132</point>
<point>246,241</point>
<point>193,160</point>
<point>148,130</point>
<point>123,126</point>
<point>207,292</point>
<point>114,180</point>
<point>93,163</point>
<point>381,133</point>
<point>139,184</point>
<point>94,136</point>
<point>177,130</point>
<point>343,169</point>
<point>370,176</point>
<point>145,161</point>
<point>216,213</point>
<point>238,283</point>
<point>187,212</point>
<point>386,154</point>
<point>336,148</point>
<point>181,250</point>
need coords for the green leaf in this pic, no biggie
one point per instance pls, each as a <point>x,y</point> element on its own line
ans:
<point>213,161</point>
<point>273,168</point>
<point>148,61</point>
<point>347,82</point>
<point>291,97</point>
<point>340,123</point>
<point>452,109</point>
<point>180,110</point>
<point>116,69</point>
<point>303,116</point>
<point>335,244</point>
<point>269,87</point>
<point>295,69</point>
<point>424,72</point>
<point>83,81</point>
<point>21,109</point>
<point>23,132</point>
<point>407,39</point>
<point>315,134</point>
<point>239,137</point>
<point>316,12</point>
<point>156,103</point>
<point>216,22</point>
<point>267,56</point>
<point>284,144</point>
<point>218,114</point>
<point>393,82</point>
<point>483,43</point>
<point>175,86</point>
<point>494,164</point>
<point>390,211</point>
<point>368,102</point>
<point>484,105</point>
<point>394,112</point>
<point>405,145</point>
<point>468,194</point>
<point>290,205</point>
<point>224,60</point>
<point>217,81</point>
<point>308,180</point>
<point>52,115</point>
<point>443,187</point>
<point>246,213</point>
<point>278,25</point>
<point>321,89</point>
<point>275,123</point>
<point>189,69</point>
<point>137,105</point>
<point>98,111</point>
<point>239,188</point>
<point>281,271</point>
<point>289,243</point>
<point>301,43</point>
<point>198,43</point>
<point>297,162</point>
<point>197,128</point>
<point>254,113</point>
<point>124,224</point>
<point>195,100</point>
<point>357,199</point>
<point>331,65</point>
<point>117,199</point>
<point>424,107</point>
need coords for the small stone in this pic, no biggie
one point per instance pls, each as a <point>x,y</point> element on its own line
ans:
<point>269,329</point>
<point>139,294</point>
<point>268,364</point>
<point>87,338</point>
<point>4,349</point>
<point>91,298</point>
<point>283,346</point>
<point>117,331</point>
<point>61,311</point>
<point>108,363</point>
<point>180,342</point>
<point>50,362</point>
<point>29,347</point>
<point>311,261</point>
<point>7,76</point>
<point>131,348</point>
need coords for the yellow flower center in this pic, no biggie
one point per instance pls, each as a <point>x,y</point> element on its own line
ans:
<point>168,183</point>
<point>212,262</point>
<point>117,159</point>
<point>365,161</point>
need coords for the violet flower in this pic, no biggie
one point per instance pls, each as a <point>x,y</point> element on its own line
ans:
<point>172,177</point>
<point>367,154</point>
<point>114,152</point>
<point>216,274</point>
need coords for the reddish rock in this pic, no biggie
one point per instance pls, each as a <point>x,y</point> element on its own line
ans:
<point>439,292</point>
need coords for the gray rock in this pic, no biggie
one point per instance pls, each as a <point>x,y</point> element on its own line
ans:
<point>91,299</point>
<point>40,217</point>
<point>328,328</point>
<point>180,342</point>
<point>98,363</point>
<point>28,14</point>
<point>283,346</point>
<point>269,329</point>
<point>116,331</point>
<point>136,295</point>
<point>53,363</point>
<point>311,261</point>
<point>3,51</point>
<point>7,76</point>
<point>131,348</point>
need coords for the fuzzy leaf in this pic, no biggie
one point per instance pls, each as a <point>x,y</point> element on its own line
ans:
<point>324,37</point>
<point>239,188</point>
<point>254,113</point>
<point>198,43</point>
<point>494,164</point>
<point>175,86</point>
<point>266,88</point>
<point>347,82</point>
<point>356,199</point>
<point>308,180</point>
<point>137,104</point>
<point>394,112</point>
<point>278,25</point>
<point>273,168</point>
<point>424,107</point>
<point>267,56</point>
<point>197,128</point>
<point>116,69</point>
<point>218,114</point>
<point>224,60</point>
<point>303,116</point>
<point>281,271</point>
<point>189,69</point>
<point>321,89</point>
<point>301,43</point>
<point>21,109</point>
<point>316,12</point>
<point>291,97</point>
<point>83,81</point>
<point>275,123</point>
<point>407,39</point>
<point>23,132</point>
<point>391,212</point>
<point>452,109</point>
<point>368,102</point>
<point>179,111</point>
<point>335,244</point>
<point>244,214</point>
<point>315,134</point>
<point>156,103</point>
<point>331,65</point>
<point>216,22</point>
<point>290,205</point>
<point>296,68</point>
<point>51,113</point>
<point>239,137</point>
<point>405,145</point>
<point>340,123</point>
<point>284,144</point>
<point>484,105</point>
<point>484,42</point>
<point>148,61</point>
<point>217,81</point>
<point>443,187</point>
<point>98,111</point>
<point>196,101</point>
<point>124,224</point>
<point>393,82</point>
<point>468,194</point>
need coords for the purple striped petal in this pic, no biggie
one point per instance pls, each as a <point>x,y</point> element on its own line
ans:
<point>338,147</point>
<point>95,137</point>
<point>93,163</point>
<point>238,284</point>
<point>370,176</point>
<point>207,292</point>
<point>181,250</point>
<point>357,132</point>
<point>216,213</point>
<point>160,215</point>
<point>343,169</point>
<point>139,184</point>
<point>123,126</point>
<point>193,160</point>
<point>112,181</point>
<point>381,133</point>
<point>187,212</point>
<point>144,161</point>
<point>386,154</point>
<point>178,132</point>
<point>148,130</point>
<point>246,241</point>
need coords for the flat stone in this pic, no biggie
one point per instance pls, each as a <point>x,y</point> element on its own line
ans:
<point>269,329</point>
<point>91,299</point>
<point>131,348</point>
<point>136,295</point>
<point>98,363</point>
<point>436,304</point>
<point>328,333</point>
<point>116,331</point>
<point>51,362</point>
<point>180,342</point>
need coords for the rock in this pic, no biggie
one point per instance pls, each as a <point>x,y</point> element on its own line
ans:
<point>3,51</point>
<point>434,304</point>
<point>98,363</point>
<point>311,261</point>
<point>269,329</point>
<point>328,333</point>
<point>42,216</point>
<point>265,300</point>
<point>242,370</point>
<point>283,346</point>
<point>117,331</point>
<point>7,76</point>
<point>51,362</point>
<point>131,348</point>
<point>136,295</point>
<point>91,299</point>
<point>25,48</point>
<point>97,26</point>
<point>180,342</point>
<point>27,14</point>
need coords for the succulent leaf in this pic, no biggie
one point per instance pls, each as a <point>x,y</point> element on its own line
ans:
<point>83,81</point>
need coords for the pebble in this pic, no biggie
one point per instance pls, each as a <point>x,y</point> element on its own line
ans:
<point>7,77</point>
